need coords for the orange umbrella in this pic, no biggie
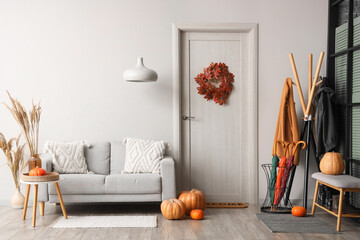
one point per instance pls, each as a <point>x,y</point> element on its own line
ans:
<point>280,175</point>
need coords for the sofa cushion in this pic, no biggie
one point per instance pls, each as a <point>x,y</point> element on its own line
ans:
<point>133,183</point>
<point>67,157</point>
<point>117,157</point>
<point>98,157</point>
<point>143,156</point>
<point>80,184</point>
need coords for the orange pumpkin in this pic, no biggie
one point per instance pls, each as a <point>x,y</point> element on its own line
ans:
<point>332,164</point>
<point>193,199</point>
<point>173,209</point>
<point>298,211</point>
<point>197,214</point>
<point>37,172</point>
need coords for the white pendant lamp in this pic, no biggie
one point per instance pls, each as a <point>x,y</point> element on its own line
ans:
<point>140,73</point>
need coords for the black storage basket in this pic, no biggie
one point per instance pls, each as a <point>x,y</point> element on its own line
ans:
<point>269,205</point>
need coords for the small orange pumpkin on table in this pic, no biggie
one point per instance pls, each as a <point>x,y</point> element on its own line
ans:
<point>197,214</point>
<point>37,172</point>
<point>193,199</point>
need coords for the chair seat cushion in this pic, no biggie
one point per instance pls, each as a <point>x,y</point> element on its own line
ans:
<point>340,181</point>
<point>133,183</point>
<point>80,184</point>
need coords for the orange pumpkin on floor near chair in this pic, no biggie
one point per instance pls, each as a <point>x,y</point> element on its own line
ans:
<point>197,214</point>
<point>298,211</point>
<point>193,199</point>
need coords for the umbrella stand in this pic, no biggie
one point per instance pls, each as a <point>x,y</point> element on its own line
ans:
<point>268,204</point>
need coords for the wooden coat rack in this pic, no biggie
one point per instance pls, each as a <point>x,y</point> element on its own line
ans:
<point>306,127</point>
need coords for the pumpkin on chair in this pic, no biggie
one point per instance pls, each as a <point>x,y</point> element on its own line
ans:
<point>193,199</point>
<point>332,164</point>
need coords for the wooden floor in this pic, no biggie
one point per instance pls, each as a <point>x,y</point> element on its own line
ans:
<point>218,224</point>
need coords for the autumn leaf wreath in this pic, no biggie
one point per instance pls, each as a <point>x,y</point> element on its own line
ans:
<point>215,74</point>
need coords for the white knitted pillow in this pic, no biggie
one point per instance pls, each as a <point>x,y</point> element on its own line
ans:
<point>67,157</point>
<point>143,156</point>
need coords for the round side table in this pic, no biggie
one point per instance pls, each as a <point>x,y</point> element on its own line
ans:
<point>36,185</point>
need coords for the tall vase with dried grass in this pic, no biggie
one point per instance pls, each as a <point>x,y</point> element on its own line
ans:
<point>29,123</point>
<point>16,163</point>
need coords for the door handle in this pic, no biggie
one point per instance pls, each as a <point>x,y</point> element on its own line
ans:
<point>184,117</point>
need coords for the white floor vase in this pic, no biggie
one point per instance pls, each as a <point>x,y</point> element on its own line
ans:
<point>107,222</point>
<point>17,199</point>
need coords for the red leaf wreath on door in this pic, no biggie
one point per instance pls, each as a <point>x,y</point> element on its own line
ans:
<point>215,74</point>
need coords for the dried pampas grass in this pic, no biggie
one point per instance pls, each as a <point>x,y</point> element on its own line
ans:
<point>29,122</point>
<point>14,157</point>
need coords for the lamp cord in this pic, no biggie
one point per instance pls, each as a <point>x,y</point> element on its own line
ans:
<point>139,13</point>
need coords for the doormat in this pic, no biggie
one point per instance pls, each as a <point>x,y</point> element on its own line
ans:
<point>107,222</point>
<point>287,223</point>
<point>226,205</point>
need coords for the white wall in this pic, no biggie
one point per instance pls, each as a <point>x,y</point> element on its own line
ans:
<point>71,55</point>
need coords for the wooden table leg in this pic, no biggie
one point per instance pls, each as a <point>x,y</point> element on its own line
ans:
<point>315,196</point>
<point>341,197</point>
<point>35,204</point>
<point>60,199</point>
<point>26,201</point>
<point>42,208</point>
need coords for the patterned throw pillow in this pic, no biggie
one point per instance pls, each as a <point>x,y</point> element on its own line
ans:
<point>67,157</point>
<point>143,156</point>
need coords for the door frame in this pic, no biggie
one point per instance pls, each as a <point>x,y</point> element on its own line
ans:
<point>252,29</point>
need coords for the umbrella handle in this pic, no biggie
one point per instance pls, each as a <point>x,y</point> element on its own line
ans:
<point>275,144</point>
<point>287,147</point>
<point>299,142</point>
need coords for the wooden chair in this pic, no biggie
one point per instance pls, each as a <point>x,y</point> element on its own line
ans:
<point>342,183</point>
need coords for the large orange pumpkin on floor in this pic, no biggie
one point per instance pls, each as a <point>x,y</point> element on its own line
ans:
<point>197,214</point>
<point>193,199</point>
<point>332,164</point>
<point>298,211</point>
<point>37,172</point>
<point>173,209</point>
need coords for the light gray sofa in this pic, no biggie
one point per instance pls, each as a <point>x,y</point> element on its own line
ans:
<point>107,184</point>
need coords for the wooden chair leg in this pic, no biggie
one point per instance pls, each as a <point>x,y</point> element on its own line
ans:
<point>341,198</point>
<point>42,208</point>
<point>315,196</point>
<point>61,200</point>
<point>26,201</point>
<point>35,203</point>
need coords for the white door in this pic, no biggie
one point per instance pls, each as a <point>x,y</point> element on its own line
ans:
<point>214,143</point>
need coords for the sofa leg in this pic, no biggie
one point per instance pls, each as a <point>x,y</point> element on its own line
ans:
<point>42,208</point>
<point>55,204</point>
